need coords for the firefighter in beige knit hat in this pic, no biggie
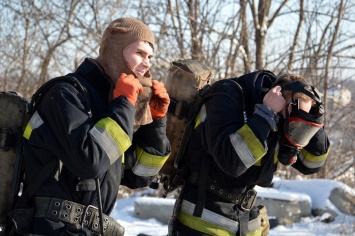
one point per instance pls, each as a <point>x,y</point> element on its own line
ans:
<point>92,140</point>
<point>123,38</point>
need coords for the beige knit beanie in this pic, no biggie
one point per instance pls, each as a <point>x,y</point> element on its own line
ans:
<point>118,35</point>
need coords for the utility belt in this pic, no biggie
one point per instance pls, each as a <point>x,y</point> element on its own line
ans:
<point>73,213</point>
<point>244,198</point>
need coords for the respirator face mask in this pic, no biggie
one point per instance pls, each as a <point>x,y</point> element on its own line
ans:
<point>299,126</point>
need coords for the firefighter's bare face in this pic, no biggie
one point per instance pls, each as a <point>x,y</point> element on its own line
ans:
<point>138,55</point>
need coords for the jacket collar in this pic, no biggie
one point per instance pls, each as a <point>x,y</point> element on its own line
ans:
<point>255,85</point>
<point>93,73</point>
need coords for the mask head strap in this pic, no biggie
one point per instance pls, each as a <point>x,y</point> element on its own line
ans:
<point>299,87</point>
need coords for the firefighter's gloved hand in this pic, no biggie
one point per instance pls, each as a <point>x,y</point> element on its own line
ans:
<point>159,101</point>
<point>128,86</point>
<point>287,154</point>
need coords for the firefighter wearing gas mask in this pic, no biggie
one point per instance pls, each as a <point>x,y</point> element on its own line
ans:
<point>300,120</point>
<point>241,133</point>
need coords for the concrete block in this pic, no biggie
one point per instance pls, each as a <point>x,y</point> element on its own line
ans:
<point>284,207</point>
<point>151,207</point>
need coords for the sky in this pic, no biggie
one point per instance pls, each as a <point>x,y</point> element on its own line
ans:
<point>318,190</point>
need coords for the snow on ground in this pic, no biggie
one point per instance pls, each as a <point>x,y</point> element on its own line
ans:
<point>308,226</point>
<point>123,213</point>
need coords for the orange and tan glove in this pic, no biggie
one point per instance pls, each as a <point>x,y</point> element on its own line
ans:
<point>128,86</point>
<point>159,102</point>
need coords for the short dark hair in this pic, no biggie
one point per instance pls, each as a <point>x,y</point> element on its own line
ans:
<point>285,79</point>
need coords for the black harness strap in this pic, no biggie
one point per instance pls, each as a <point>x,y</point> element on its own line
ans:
<point>97,181</point>
<point>45,87</point>
<point>44,173</point>
<point>243,217</point>
<point>201,187</point>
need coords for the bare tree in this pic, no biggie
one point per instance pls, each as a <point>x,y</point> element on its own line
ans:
<point>327,65</point>
<point>262,23</point>
<point>297,35</point>
<point>52,34</point>
<point>244,37</point>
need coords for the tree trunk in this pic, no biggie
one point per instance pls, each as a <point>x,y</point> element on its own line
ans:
<point>329,57</point>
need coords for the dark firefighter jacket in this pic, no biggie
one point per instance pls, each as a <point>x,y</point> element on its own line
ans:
<point>91,144</point>
<point>238,155</point>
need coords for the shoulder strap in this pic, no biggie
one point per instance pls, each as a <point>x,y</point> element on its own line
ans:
<point>45,172</point>
<point>36,98</point>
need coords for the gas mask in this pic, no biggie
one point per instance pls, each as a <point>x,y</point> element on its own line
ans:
<point>299,126</point>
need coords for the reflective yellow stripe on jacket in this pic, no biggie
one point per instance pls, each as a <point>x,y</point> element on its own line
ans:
<point>212,223</point>
<point>312,161</point>
<point>34,123</point>
<point>107,133</point>
<point>111,137</point>
<point>244,141</point>
<point>148,164</point>
<point>247,146</point>
<point>276,154</point>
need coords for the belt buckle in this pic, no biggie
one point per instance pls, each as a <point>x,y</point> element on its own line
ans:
<point>88,211</point>
<point>248,200</point>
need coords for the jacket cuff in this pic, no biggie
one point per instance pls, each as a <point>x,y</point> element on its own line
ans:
<point>268,114</point>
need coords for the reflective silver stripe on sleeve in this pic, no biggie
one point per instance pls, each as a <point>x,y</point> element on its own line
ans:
<point>211,217</point>
<point>241,148</point>
<point>311,164</point>
<point>35,122</point>
<point>142,170</point>
<point>201,117</point>
<point>106,142</point>
<point>203,113</point>
<point>148,164</point>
